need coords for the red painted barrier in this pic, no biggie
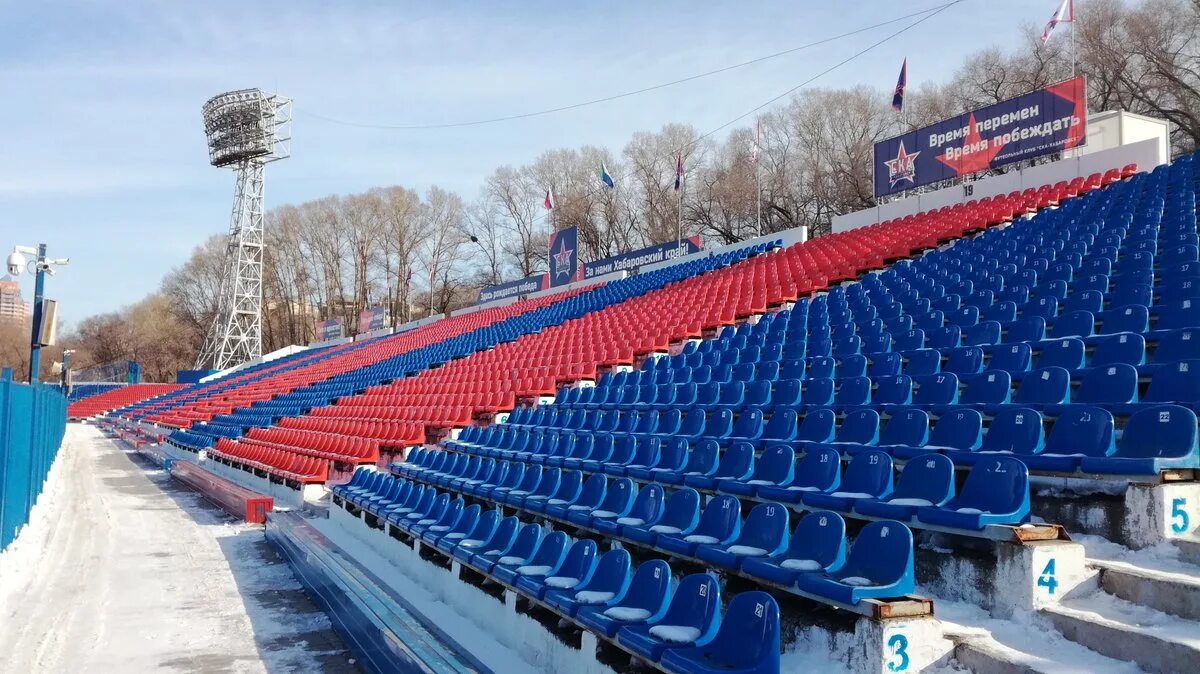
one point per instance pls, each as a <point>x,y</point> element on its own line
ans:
<point>249,505</point>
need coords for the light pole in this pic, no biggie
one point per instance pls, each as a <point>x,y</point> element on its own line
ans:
<point>42,266</point>
<point>66,371</point>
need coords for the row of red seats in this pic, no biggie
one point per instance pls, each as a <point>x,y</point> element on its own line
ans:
<point>337,448</point>
<point>117,398</point>
<point>282,463</point>
<point>374,352</point>
<point>389,434</point>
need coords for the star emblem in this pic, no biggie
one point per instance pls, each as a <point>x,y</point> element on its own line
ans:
<point>562,260</point>
<point>903,167</point>
<point>977,152</point>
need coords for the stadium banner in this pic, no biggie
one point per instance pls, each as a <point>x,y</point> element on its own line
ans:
<point>374,318</point>
<point>564,256</point>
<point>639,258</point>
<point>333,328</point>
<point>524,286</point>
<point>1041,122</point>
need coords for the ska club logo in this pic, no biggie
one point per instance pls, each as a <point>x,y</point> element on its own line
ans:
<point>903,167</point>
<point>562,259</point>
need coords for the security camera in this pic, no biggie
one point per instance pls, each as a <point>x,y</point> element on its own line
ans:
<point>16,263</point>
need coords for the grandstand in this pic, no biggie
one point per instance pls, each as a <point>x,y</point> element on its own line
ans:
<point>718,464</point>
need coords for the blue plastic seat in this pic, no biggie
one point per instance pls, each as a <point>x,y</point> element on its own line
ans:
<point>1068,353</point>
<point>996,492</point>
<point>817,391</point>
<point>646,507</point>
<point>1131,318</point>
<point>894,390</point>
<point>617,503</point>
<point>646,455</point>
<point>720,522</point>
<point>1010,358</point>
<point>473,525</point>
<point>449,518</point>
<point>964,360</point>
<point>544,559</point>
<point>747,641</point>
<point>764,534</point>
<point>1073,324</point>
<point>927,480</point>
<point>958,429</point>
<point>1043,387</point>
<point>818,544</point>
<point>570,485</point>
<point>644,600</point>
<point>1177,345</point>
<point>907,427</point>
<point>858,427</point>
<point>1125,347</point>
<point>516,548</point>
<point>1114,384</point>
<point>867,476</point>
<point>775,467</point>
<point>737,463</point>
<point>935,389</point>
<point>988,332</point>
<point>498,538</point>
<point>880,564</point>
<point>1025,329</point>
<point>691,619</point>
<point>988,388</point>
<point>590,496</point>
<point>681,513</point>
<point>608,582</point>
<point>1014,430</point>
<point>819,471</point>
<point>1156,438</point>
<point>572,570</point>
<point>1175,383</point>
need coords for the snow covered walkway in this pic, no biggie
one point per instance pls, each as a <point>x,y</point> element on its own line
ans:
<point>123,570</point>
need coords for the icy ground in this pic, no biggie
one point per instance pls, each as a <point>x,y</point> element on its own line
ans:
<point>124,570</point>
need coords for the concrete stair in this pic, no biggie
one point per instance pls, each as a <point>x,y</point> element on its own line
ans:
<point>1189,547</point>
<point>1155,640</point>
<point>1175,593</point>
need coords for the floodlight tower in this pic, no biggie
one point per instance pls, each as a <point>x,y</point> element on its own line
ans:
<point>246,130</point>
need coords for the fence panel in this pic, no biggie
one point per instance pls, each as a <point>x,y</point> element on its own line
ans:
<point>33,420</point>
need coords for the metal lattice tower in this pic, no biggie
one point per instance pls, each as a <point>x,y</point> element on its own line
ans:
<point>246,130</point>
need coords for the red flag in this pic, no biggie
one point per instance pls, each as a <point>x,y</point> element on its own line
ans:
<point>1064,14</point>
<point>548,204</point>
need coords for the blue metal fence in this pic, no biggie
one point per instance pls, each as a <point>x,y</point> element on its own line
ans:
<point>33,420</point>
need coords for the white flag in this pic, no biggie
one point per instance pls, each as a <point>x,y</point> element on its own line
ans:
<point>757,135</point>
<point>1064,14</point>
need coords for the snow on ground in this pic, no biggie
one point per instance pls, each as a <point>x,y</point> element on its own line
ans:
<point>1162,558</point>
<point>124,570</point>
<point>1030,638</point>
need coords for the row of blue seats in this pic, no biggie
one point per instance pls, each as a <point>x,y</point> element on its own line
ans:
<point>879,564</point>
<point>1080,437</point>
<point>678,625</point>
<point>996,491</point>
<point>1118,386</point>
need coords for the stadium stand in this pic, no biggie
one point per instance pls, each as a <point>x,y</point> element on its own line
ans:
<point>108,398</point>
<point>792,418</point>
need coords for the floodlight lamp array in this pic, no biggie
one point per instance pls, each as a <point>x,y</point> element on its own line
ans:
<point>243,125</point>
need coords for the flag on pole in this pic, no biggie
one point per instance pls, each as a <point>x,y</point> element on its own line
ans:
<point>679,171</point>
<point>1064,14</point>
<point>901,83</point>
<point>548,204</point>
<point>605,177</point>
<point>757,138</point>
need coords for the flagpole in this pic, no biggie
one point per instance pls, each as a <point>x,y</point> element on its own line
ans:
<point>1074,23</point>
<point>679,224</point>
<point>757,175</point>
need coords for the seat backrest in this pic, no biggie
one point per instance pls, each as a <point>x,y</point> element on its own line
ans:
<point>817,425</point>
<point>696,603</point>
<point>959,428</point>
<point>1010,358</point>
<point>852,391</point>
<point>619,497</point>
<point>1129,318</point>
<point>935,389</point>
<point>820,536</point>
<point>1178,345</point>
<point>649,588</point>
<point>1026,329</point>
<point>721,518</point>
<point>859,426</point>
<point>997,484</point>
<point>1159,431</point>
<point>908,427</point>
<point>1085,430</point>
<point>870,473</point>
<point>1044,386</point>
<point>922,362</point>
<point>1174,383</point>
<point>818,391</point>
<point>884,364</point>
<point>748,638</point>
<point>682,509</point>
<point>1073,324</point>
<point>964,360</point>
<point>988,388</point>
<point>766,527</point>
<point>737,462</point>
<point>1066,353</point>
<point>894,390</point>
<point>882,552</point>
<point>1116,383</point>
<point>821,468</point>
<point>1125,347</point>
<point>929,477</point>
<point>648,505</point>
<point>1015,429</point>
<point>776,464</point>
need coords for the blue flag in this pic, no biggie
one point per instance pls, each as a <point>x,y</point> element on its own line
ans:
<point>605,177</point>
<point>901,83</point>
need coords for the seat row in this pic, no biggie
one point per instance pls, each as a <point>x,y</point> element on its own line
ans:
<point>678,625</point>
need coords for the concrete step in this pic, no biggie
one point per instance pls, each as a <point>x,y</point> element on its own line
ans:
<point>1174,593</point>
<point>1156,641</point>
<point>1189,548</point>
<point>1030,645</point>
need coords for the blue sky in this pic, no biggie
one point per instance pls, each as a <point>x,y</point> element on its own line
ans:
<point>102,155</point>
